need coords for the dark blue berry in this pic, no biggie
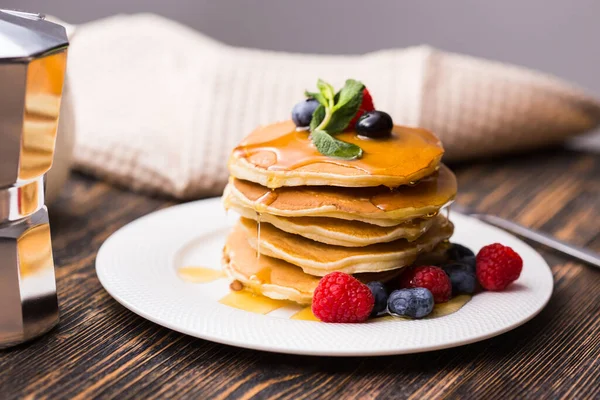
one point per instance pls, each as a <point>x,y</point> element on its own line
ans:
<point>303,111</point>
<point>462,277</point>
<point>415,302</point>
<point>462,265</point>
<point>457,252</point>
<point>375,124</point>
<point>381,296</point>
<point>470,261</point>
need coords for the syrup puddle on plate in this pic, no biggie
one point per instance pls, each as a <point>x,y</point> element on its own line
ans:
<point>439,310</point>
<point>305,314</point>
<point>251,302</point>
<point>259,304</point>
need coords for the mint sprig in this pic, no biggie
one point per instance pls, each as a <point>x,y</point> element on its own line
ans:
<point>333,115</point>
<point>330,146</point>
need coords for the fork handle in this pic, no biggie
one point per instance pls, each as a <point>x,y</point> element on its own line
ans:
<point>585,255</point>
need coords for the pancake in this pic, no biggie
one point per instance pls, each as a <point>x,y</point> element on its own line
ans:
<point>278,155</point>
<point>319,259</point>
<point>272,277</point>
<point>377,205</point>
<point>340,232</point>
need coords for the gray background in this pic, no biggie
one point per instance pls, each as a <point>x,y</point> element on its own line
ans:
<point>557,36</point>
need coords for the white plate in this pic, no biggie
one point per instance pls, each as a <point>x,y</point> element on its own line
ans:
<point>137,266</point>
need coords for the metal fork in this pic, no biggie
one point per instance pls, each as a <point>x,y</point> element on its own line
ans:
<point>585,255</point>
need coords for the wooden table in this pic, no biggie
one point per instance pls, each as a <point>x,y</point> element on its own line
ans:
<point>100,349</point>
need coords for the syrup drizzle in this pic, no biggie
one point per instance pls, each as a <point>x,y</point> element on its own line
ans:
<point>267,199</point>
<point>258,216</point>
<point>280,147</point>
<point>427,195</point>
<point>261,205</point>
<point>263,276</point>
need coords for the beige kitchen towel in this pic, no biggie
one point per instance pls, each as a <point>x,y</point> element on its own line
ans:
<point>159,106</point>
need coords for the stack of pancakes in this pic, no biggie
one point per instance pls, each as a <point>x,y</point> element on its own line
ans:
<point>305,215</point>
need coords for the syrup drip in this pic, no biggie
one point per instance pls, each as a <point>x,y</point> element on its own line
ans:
<point>266,199</point>
<point>200,274</point>
<point>258,215</point>
<point>305,314</point>
<point>247,301</point>
<point>279,147</point>
<point>263,276</point>
<point>260,205</point>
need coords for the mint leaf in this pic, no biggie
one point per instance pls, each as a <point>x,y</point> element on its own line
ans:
<point>351,90</point>
<point>318,97</point>
<point>347,103</point>
<point>332,147</point>
<point>317,117</point>
<point>326,90</point>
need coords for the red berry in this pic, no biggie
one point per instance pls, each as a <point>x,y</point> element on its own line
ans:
<point>340,297</point>
<point>366,105</point>
<point>498,266</point>
<point>429,277</point>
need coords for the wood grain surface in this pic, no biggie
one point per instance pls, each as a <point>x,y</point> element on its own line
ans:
<point>102,350</point>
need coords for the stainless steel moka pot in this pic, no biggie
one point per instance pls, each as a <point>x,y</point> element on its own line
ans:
<point>33,58</point>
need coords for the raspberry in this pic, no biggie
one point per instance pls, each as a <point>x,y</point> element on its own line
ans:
<point>366,105</point>
<point>428,277</point>
<point>340,297</point>
<point>498,266</point>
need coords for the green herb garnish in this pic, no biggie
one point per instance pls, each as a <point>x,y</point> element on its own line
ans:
<point>333,115</point>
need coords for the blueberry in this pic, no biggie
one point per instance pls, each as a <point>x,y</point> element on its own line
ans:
<point>381,296</point>
<point>462,265</point>
<point>457,252</point>
<point>462,277</point>
<point>415,302</point>
<point>375,124</point>
<point>303,111</point>
<point>470,261</point>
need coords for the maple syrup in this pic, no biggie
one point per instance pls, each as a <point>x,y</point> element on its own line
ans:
<point>259,304</point>
<point>449,307</point>
<point>248,301</point>
<point>280,147</point>
<point>439,310</point>
<point>434,192</point>
<point>267,199</point>
<point>263,276</point>
<point>305,314</point>
<point>258,215</point>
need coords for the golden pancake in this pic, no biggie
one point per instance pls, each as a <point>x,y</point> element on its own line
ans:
<point>320,259</point>
<point>278,155</point>
<point>340,232</point>
<point>377,205</point>
<point>272,277</point>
